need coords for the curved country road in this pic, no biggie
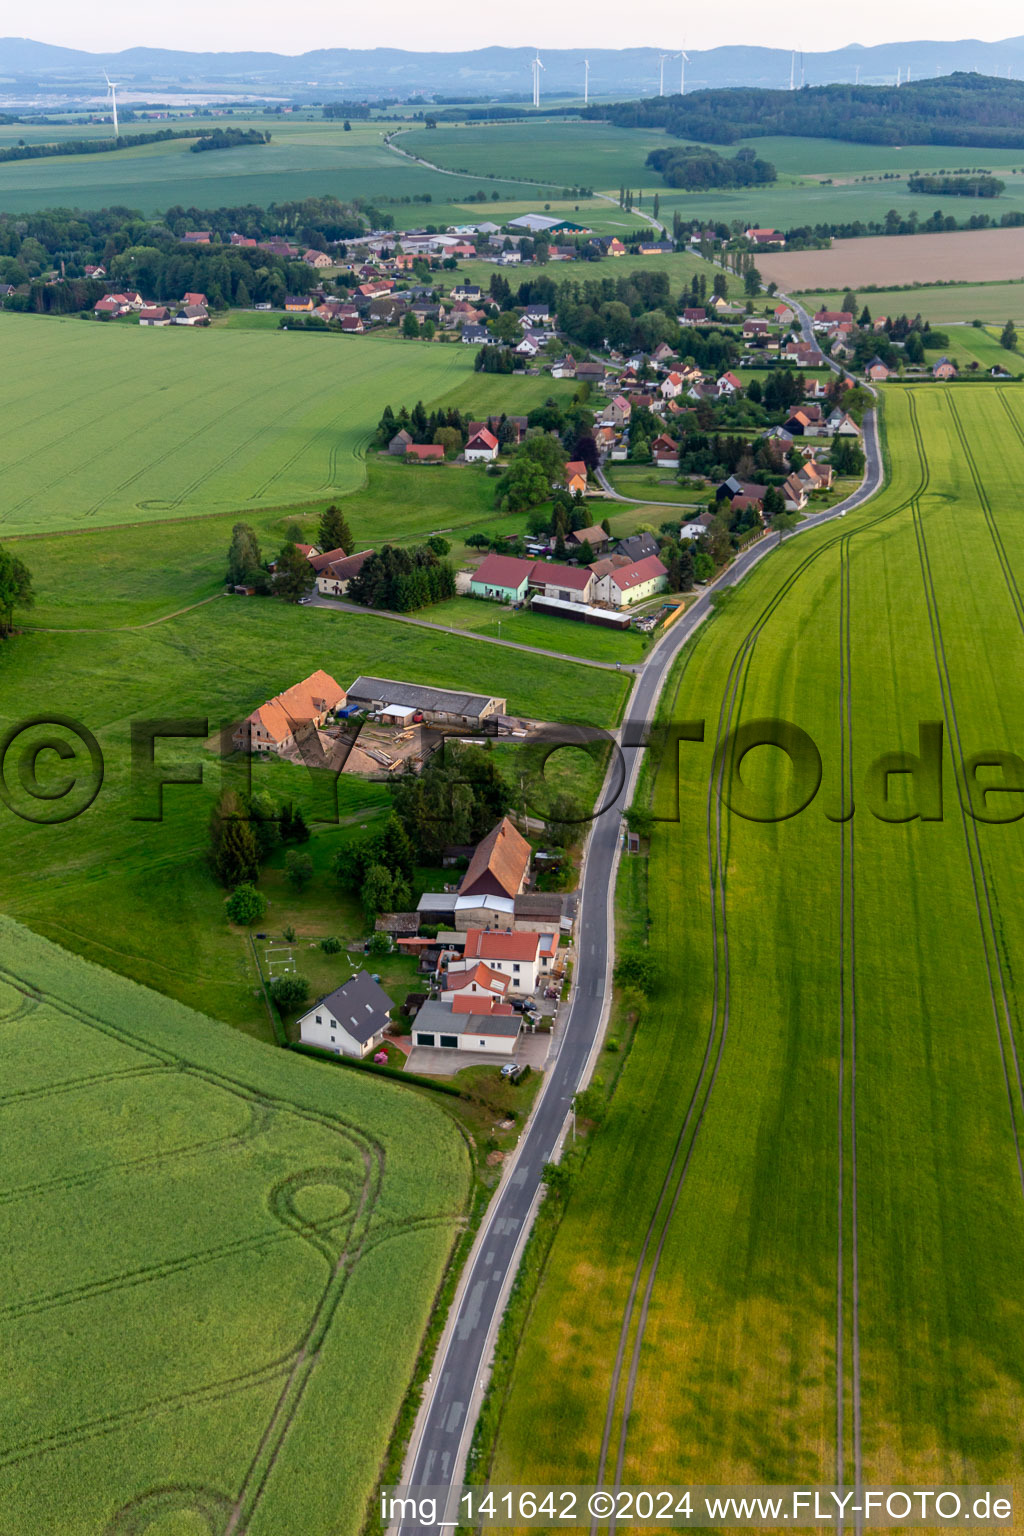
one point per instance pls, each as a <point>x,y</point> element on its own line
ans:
<point>441,1437</point>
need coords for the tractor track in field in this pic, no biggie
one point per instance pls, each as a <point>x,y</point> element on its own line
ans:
<point>675,1175</point>
<point>986,507</point>
<point>983,902</point>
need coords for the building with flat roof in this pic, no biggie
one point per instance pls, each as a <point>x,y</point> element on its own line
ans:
<point>441,1026</point>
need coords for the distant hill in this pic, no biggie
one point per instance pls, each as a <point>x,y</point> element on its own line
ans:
<point>965,110</point>
<point>333,72</point>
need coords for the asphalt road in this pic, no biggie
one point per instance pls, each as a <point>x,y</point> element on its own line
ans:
<point>443,1430</point>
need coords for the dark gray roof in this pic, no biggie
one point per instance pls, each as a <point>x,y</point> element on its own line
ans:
<point>361,1007</point>
<point>638,546</point>
<point>539,904</point>
<point>387,690</point>
<point>438,1016</point>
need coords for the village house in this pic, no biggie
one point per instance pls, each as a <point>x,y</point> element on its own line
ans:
<point>283,720</point>
<point>794,493</point>
<point>592,539</point>
<point>729,384</point>
<point>502,578</point>
<point>528,347</point>
<point>665,452</point>
<point>576,477</point>
<point>478,981</point>
<point>828,319</point>
<point>734,489</point>
<point>481,446</point>
<point>196,237</point>
<point>154,314</point>
<point>695,529</point>
<point>198,299</point>
<point>467,1024</point>
<point>944,369</point>
<point>318,259</point>
<point>877,370</point>
<point>524,958</point>
<point>332,578</point>
<point>192,314</point>
<point>591,372</point>
<point>298,304</point>
<point>564,367</point>
<point>695,315</point>
<point>637,547</point>
<point>772,237</point>
<point>671,386</point>
<point>477,336</point>
<point>625,585</point>
<point>351,1020</point>
<point>500,865</point>
<point>467,291</point>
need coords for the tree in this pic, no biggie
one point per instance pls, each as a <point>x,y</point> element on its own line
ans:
<point>450,439</point>
<point>376,891</point>
<point>234,850</point>
<point>298,870</point>
<point>1008,339</point>
<point>294,574</point>
<point>567,819</point>
<point>245,906</point>
<point>428,330</point>
<point>637,969</point>
<point>347,126</point>
<point>439,545</point>
<point>334,531</point>
<point>242,299</point>
<point>865,317</point>
<point>751,282</point>
<point>774,503</point>
<point>847,456</point>
<point>289,992</point>
<point>15,589</point>
<point>640,819</point>
<point>686,569</point>
<point>849,303</point>
<point>244,555</point>
<point>913,347</point>
<point>411,326</point>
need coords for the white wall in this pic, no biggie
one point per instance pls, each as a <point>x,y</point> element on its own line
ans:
<point>330,1036</point>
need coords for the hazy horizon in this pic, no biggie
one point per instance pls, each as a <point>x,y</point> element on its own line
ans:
<point>233,27</point>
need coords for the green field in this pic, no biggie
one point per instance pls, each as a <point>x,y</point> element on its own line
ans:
<point>304,159</point>
<point>208,1246</point>
<point>109,423</point>
<point>542,629</point>
<point>992,302</point>
<point>817,976</point>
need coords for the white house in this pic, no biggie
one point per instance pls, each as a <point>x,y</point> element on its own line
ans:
<point>527,347</point>
<point>629,584</point>
<point>483,445</point>
<point>523,958</point>
<point>351,1020</point>
<point>671,386</point>
<point>480,982</point>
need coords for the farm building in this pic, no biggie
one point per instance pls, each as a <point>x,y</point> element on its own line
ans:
<point>483,445</point>
<point>351,1020</point>
<point>276,725</point>
<point>571,583</point>
<point>439,706</point>
<point>494,1027</point>
<point>593,539</point>
<point>584,612</point>
<point>424,453</point>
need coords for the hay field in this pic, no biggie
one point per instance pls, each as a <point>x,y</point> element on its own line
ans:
<point>970,256</point>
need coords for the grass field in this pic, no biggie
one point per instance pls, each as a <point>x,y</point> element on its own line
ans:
<point>137,895</point>
<point>649,484</point>
<point>304,159</point>
<point>992,302</point>
<point>110,424</point>
<point>543,629</point>
<point>203,1243</point>
<point>829,974</point>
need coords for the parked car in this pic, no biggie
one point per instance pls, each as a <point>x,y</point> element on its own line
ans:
<point>523,1004</point>
<point>508,1069</point>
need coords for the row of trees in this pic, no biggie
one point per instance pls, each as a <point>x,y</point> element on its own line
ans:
<point>402,580</point>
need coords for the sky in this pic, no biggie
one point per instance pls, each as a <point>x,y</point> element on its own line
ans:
<point>236,25</point>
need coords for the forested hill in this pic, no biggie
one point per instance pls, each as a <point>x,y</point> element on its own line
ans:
<point>962,109</point>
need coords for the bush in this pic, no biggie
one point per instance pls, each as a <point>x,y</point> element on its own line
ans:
<point>380,944</point>
<point>331,946</point>
<point>245,906</point>
<point>289,992</point>
<point>289,934</point>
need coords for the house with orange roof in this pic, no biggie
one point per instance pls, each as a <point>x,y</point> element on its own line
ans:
<point>479,981</point>
<point>285,719</point>
<point>576,476</point>
<point>524,959</point>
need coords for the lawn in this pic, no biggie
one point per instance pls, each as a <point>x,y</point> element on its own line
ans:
<point>541,629</point>
<point>649,484</point>
<point>992,302</point>
<point>197,1235</point>
<point>110,423</point>
<point>137,895</point>
<point>788,952</point>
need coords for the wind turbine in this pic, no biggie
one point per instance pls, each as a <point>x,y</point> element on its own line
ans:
<point>586,81</point>
<point>684,59</point>
<point>792,71</point>
<point>536,66</point>
<point>662,60</point>
<point>112,88</point>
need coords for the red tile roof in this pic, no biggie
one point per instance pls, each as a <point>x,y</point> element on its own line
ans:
<point>551,573</point>
<point>485,944</point>
<point>424,451</point>
<point>503,571</point>
<point>503,854</point>
<point>634,575</point>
